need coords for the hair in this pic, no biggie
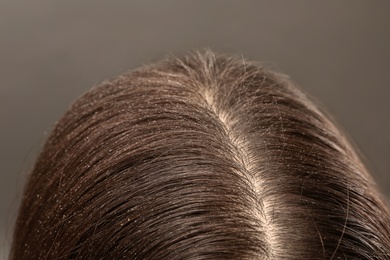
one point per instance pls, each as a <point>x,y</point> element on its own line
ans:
<point>200,157</point>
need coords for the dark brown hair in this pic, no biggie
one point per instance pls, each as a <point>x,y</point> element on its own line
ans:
<point>202,157</point>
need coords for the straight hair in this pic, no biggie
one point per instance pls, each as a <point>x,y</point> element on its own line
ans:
<point>205,156</point>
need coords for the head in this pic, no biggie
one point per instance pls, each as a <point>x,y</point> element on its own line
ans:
<point>200,157</point>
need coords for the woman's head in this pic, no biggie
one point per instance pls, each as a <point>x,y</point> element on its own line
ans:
<point>202,157</point>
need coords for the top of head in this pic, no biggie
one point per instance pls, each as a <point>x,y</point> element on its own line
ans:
<point>202,157</point>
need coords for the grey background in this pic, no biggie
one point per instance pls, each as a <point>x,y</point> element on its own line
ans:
<point>53,51</point>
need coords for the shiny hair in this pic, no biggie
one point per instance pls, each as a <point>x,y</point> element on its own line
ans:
<point>200,157</point>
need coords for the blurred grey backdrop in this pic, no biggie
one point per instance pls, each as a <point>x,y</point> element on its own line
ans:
<point>53,51</point>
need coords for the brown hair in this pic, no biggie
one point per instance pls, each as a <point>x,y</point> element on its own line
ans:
<point>202,157</point>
